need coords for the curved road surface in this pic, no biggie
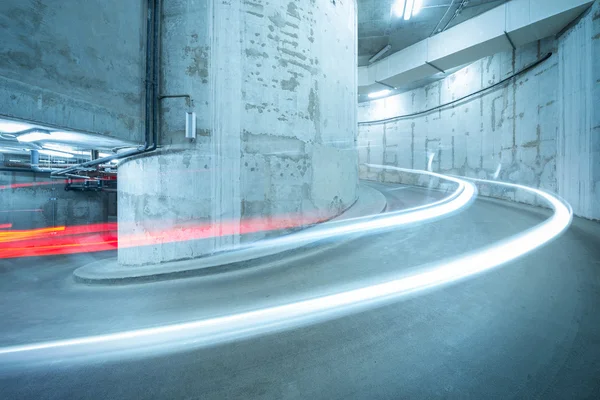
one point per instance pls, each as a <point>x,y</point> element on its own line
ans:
<point>529,329</point>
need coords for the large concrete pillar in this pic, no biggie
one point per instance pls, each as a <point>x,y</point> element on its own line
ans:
<point>273,84</point>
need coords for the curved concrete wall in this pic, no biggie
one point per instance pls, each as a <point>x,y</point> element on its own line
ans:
<point>274,87</point>
<point>578,167</point>
<point>540,129</point>
<point>511,129</point>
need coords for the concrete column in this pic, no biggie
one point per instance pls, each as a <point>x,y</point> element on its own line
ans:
<point>273,84</point>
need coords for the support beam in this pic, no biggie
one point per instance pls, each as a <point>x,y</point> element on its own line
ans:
<point>433,66</point>
<point>519,21</point>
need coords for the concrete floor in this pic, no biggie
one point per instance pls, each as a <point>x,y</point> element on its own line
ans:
<point>529,329</point>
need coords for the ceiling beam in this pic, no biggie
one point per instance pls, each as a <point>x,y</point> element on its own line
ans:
<point>524,21</point>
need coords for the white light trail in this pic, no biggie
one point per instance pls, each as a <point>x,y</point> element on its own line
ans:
<point>286,316</point>
<point>457,200</point>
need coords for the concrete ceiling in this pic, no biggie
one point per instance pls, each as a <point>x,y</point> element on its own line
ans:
<point>77,141</point>
<point>378,27</point>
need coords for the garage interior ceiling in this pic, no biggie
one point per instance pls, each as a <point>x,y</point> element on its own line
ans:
<point>378,26</point>
<point>52,139</point>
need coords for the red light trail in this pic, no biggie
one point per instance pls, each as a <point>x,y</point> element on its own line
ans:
<point>102,237</point>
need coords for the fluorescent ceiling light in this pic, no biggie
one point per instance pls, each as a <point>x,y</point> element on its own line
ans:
<point>54,153</point>
<point>399,8</point>
<point>67,136</point>
<point>409,9</point>
<point>380,93</point>
<point>33,136</point>
<point>417,7</point>
<point>13,127</point>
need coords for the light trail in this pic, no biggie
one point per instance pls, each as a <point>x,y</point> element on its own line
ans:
<point>459,199</point>
<point>462,196</point>
<point>247,324</point>
<point>276,318</point>
<point>44,183</point>
<point>103,237</point>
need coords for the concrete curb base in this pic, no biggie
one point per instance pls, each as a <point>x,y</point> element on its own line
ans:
<point>108,272</point>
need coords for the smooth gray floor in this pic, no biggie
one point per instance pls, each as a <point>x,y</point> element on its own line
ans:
<point>530,329</point>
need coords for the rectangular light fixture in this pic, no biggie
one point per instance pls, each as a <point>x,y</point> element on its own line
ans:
<point>409,9</point>
<point>190,125</point>
<point>381,93</point>
<point>33,136</point>
<point>13,127</point>
<point>417,7</point>
<point>399,8</point>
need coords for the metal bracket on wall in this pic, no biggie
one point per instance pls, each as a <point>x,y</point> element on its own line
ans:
<point>190,116</point>
<point>188,99</point>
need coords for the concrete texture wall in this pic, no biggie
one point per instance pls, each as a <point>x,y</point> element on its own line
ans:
<point>508,133</point>
<point>579,130</point>
<point>541,129</point>
<point>298,108</point>
<point>30,201</point>
<point>273,84</point>
<point>74,64</point>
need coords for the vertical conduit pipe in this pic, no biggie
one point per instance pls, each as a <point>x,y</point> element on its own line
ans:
<point>151,117</point>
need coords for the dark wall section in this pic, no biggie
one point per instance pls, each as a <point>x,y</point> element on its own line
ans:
<point>74,64</point>
<point>29,201</point>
